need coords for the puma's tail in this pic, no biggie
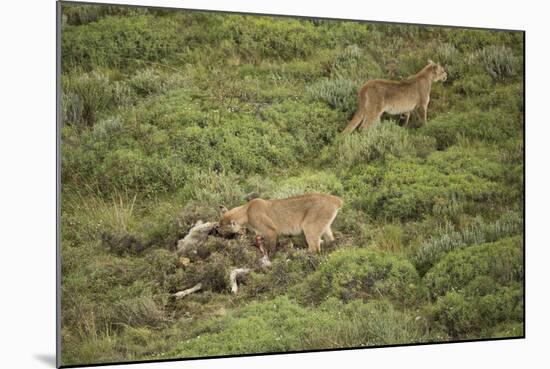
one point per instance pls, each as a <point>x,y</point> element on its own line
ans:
<point>359,113</point>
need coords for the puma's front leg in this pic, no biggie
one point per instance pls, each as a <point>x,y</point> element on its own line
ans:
<point>407,116</point>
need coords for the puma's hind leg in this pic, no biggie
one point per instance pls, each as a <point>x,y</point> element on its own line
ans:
<point>407,117</point>
<point>313,239</point>
<point>355,121</point>
<point>328,234</point>
<point>371,117</point>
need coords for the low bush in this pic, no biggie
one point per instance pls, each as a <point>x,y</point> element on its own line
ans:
<point>354,64</point>
<point>490,126</point>
<point>478,288</point>
<point>146,82</point>
<point>389,238</point>
<point>449,239</point>
<point>84,97</point>
<point>139,311</point>
<point>120,42</point>
<point>323,182</point>
<point>261,37</point>
<point>310,126</point>
<point>501,260</point>
<point>280,325</point>
<point>83,14</point>
<point>499,61</point>
<point>450,58</point>
<point>292,267</point>
<point>380,141</point>
<point>290,72</point>
<point>362,274</point>
<point>409,189</point>
<point>340,94</point>
<point>473,86</point>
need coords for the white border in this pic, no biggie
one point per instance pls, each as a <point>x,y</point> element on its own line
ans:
<point>27,202</point>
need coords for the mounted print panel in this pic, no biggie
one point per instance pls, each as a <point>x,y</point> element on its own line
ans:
<point>240,184</point>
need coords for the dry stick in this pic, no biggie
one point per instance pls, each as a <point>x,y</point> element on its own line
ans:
<point>236,273</point>
<point>197,234</point>
<point>181,294</point>
<point>265,262</point>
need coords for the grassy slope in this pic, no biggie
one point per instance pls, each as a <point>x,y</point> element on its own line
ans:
<point>169,115</point>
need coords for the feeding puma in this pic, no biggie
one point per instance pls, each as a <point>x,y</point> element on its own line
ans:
<point>311,214</point>
<point>395,97</point>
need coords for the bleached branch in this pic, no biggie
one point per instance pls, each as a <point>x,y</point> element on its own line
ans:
<point>181,294</point>
<point>234,275</point>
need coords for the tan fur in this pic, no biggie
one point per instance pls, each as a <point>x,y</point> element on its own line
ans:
<point>395,97</point>
<point>311,214</point>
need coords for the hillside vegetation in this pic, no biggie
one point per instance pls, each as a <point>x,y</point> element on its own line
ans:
<point>167,115</point>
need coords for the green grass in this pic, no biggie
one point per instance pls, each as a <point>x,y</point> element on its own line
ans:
<point>167,115</point>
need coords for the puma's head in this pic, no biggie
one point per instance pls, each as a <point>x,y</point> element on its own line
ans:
<point>227,222</point>
<point>438,72</point>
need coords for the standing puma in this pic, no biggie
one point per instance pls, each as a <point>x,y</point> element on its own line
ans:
<point>311,214</point>
<point>395,97</point>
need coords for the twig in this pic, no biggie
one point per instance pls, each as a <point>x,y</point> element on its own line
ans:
<point>181,294</point>
<point>236,273</point>
<point>197,234</point>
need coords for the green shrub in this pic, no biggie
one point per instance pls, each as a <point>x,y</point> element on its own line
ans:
<point>499,61</point>
<point>422,145</point>
<point>340,94</point>
<point>84,97</point>
<point>272,38</point>
<point>470,40</point>
<point>507,329</point>
<point>120,42</point>
<point>448,239</point>
<point>501,260</point>
<point>491,126</point>
<point>309,126</point>
<point>71,107</point>
<point>107,128</point>
<point>509,99</point>
<point>409,189</point>
<point>83,14</point>
<point>353,222</point>
<point>322,181</point>
<point>378,142</point>
<point>361,273</point>
<point>115,294</point>
<point>481,161</point>
<point>338,34</point>
<point>281,325</point>
<point>149,81</point>
<point>86,217</point>
<point>239,145</point>
<point>354,64</point>
<point>284,272</point>
<point>476,85</point>
<point>131,169</point>
<point>389,238</point>
<point>478,288</point>
<point>146,82</point>
<point>138,311</point>
<point>289,72</point>
<point>162,225</point>
<point>214,189</point>
<point>448,56</point>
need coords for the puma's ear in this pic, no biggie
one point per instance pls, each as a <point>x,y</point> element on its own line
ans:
<point>222,209</point>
